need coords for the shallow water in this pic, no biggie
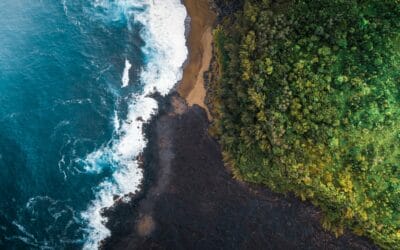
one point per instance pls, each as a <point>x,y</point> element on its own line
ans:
<point>74,78</point>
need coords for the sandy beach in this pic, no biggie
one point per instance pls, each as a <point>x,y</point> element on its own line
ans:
<point>200,39</point>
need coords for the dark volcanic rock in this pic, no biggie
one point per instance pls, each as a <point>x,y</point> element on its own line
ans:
<point>190,200</point>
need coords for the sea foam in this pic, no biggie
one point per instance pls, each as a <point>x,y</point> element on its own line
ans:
<point>165,51</point>
<point>125,75</point>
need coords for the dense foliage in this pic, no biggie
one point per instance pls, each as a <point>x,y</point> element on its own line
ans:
<point>309,102</point>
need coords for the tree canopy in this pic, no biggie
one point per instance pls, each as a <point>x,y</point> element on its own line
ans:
<point>309,102</point>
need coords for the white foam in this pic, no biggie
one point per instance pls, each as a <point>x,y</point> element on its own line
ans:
<point>65,7</point>
<point>116,122</point>
<point>125,76</point>
<point>23,230</point>
<point>165,51</point>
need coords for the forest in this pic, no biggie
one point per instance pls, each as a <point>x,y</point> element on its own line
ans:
<point>308,102</point>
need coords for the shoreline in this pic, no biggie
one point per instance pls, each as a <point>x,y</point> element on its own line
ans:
<point>189,199</point>
<point>199,42</point>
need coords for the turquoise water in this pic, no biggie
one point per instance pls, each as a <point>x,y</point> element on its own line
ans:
<point>74,76</point>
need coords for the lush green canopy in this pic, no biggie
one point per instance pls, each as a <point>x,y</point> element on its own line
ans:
<point>309,102</point>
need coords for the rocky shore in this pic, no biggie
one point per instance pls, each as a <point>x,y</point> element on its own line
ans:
<point>189,199</point>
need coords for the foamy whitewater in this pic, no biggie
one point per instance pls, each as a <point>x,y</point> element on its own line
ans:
<point>125,76</point>
<point>163,31</point>
<point>76,78</point>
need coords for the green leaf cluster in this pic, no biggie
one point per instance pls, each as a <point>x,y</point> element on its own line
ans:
<point>308,101</point>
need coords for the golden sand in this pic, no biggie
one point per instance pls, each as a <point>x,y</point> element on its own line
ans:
<point>200,52</point>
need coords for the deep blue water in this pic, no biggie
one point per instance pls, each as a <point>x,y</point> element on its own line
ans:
<point>61,64</point>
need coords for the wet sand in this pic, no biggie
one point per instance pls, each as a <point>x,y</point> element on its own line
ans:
<point>192,86</point>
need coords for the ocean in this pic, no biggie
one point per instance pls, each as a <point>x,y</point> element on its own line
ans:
<point>76,78</point>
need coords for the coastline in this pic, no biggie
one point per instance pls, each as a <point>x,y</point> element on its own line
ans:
<point>189,200</point>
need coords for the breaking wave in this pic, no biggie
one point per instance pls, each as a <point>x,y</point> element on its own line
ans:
<point>163,30</point>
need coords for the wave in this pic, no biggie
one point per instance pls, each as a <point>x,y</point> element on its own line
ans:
<point>165,51</point>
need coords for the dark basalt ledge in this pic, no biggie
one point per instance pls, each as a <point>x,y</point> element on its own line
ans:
<point>190,201</point>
